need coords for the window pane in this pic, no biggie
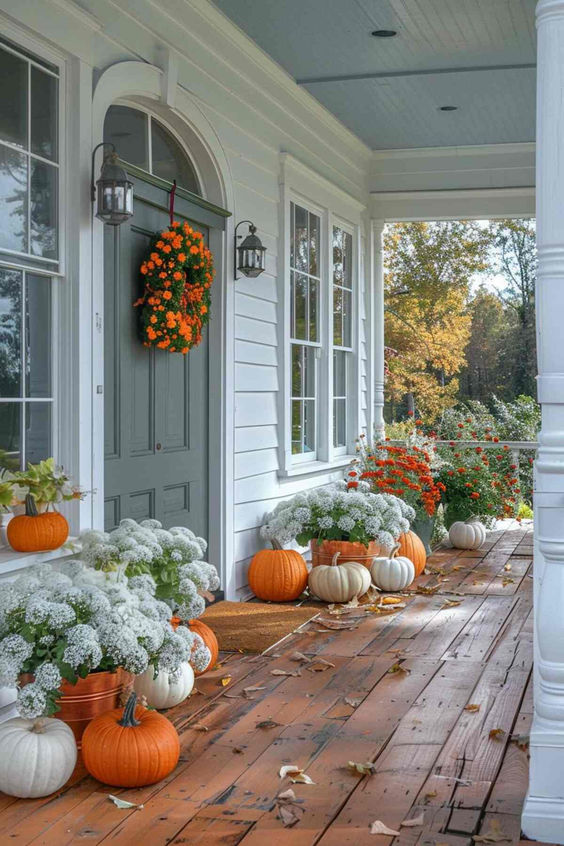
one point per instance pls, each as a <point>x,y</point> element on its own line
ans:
<point>13,99</point>
<point>44,112</point>
<point>347,259</point>
<point>338,317</point>
<point>13,200</point>
<point>313,309</point>
<point>38,336</point>
<point>299,328</point>
<point>10,332</point>
<point>347,318</point>
<point>37,431</point>
<point>339,422</point>
<point>296,427</point>
<point>10,435</point>
<point>44,202</point>
<point>309,426</point>
<point>128,130</point>
<point>309,372</point>
<point>169,159</point>
<point>339,374</point>
<point>297,370</point>
<point>337,255</point>
<point>313,244</point>
<point>301,260</point>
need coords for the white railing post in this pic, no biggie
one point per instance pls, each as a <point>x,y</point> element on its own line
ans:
<point>543,814</point>
<point>377,231</point>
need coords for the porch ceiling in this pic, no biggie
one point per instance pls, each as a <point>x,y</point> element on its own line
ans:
<point>325,40</point>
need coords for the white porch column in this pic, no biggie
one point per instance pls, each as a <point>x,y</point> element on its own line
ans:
<point>543,815</point>
<point>377,230</point>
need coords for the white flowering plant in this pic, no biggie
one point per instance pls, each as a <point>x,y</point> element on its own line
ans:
<point>64,624</point>
<point>173,558</point>
<point>340,512</point>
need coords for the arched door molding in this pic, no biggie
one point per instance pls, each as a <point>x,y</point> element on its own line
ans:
<point>144,84</point>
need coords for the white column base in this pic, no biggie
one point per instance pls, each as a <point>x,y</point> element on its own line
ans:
<point>543,811</point>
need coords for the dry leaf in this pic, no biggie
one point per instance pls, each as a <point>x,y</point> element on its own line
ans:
<point>428,591</point>
<point>267,724</point>
<point>299,656</point>
<point>497,734</point>
<point>507,581</point>
<point>413,823</point>
<point>285,673</point>
<point>450,603</point>
<point>430,795</point>
<point>301,778</point>
<point>295,773</point>
<point>289,810</point>
<point>237,750</point>
<point>494,835</point>
<point>225,681</point>
<point>399,668</point>
<point>337,624</point>
<point>251,689</point>
<point>199,727</point>
<point>522,741</point>
<point>319,665</point>
<point>122,803</point>
<point>507,568</point>
<point>472,707</point>
<point>378,827</point>
<point>354,703</point>
<point>391,600</point>
<point>368,768</point>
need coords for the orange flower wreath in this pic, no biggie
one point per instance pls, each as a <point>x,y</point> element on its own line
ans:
<point>176,303</point>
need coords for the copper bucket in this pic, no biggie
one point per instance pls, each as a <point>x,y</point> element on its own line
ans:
<point>322,553</point>
<point>89,697</point>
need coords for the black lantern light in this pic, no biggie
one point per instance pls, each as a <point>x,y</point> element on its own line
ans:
<point>249,254</point>
<point>113,191</point>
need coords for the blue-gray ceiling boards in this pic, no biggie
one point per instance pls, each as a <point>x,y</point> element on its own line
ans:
<point>478,55</point>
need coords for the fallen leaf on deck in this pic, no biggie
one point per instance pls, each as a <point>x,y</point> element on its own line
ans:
<point>235,696</point>
<point>378,827</point>
<point>399,668</point>
<point>199,727</point>
<point>337,624</point>
<point>522,740</point>
<point>122,803</point>
<point>237,750</point>
<point>507,568</point>
<point>472,707</point>
<point>430,795</point>
<point>252,689</point>
<point>319,665</point>
<point>456,568</point>
<point>295,773</point>
<point>285,673</point>
<point>497,734</point>
<point>225,681</point>
<point>494,835</point>
<point>507,581</point>
<point>301,778</point>
<point>450,603</point>
<point>299,656</point>
<point>416,821</point>
<point>368,768</point>
<point>267,724</point>
<point>392,600</point>
<point>354,703</point>
<point>429,591</point>
<point>289,810</point>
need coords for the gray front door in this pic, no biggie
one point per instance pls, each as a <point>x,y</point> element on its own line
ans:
<point>156,402</point>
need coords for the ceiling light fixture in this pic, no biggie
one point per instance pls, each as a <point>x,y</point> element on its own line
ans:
<point>448,108</point>
<point>384,33</point>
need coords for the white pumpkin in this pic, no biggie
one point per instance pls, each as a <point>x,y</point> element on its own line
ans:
<point>162,691</point>
<point>393,573</point>
<point>468,535</point>
<point>339,582</point>
<point>37,757</point>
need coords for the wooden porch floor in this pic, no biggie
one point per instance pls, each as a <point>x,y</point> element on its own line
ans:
<point>430,754</point>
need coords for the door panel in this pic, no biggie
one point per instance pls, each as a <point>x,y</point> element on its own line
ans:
<point>156,402</point>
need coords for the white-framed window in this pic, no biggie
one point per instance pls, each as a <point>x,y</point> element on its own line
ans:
<point>29,252</point>
<point>305,329</point>
<point>342,312</point>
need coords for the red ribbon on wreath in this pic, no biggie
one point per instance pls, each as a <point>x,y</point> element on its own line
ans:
<point>178,274</point>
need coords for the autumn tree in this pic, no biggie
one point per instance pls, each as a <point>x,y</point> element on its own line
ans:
<point>429,271</point>
<point>488,352</point>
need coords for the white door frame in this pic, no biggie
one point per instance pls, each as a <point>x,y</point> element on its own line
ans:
<point>158,90</point>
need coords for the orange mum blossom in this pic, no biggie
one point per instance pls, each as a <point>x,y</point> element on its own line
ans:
<point>178,271</point>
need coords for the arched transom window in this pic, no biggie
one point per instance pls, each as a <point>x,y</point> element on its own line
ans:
<point>141,140</point>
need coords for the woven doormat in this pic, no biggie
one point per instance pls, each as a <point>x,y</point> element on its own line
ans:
<point>253,626</point>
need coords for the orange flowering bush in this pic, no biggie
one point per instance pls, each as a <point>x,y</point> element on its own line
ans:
<point>401,470</point>
<point>178,274</point>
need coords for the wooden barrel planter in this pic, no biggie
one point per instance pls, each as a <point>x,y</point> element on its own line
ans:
<point>322,553</point>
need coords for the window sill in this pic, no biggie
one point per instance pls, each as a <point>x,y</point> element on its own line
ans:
<point>314,468</point>
<point>12,562</point>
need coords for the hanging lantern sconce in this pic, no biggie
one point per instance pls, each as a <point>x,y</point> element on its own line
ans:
<point>249,254</point>
<point>113,192</point>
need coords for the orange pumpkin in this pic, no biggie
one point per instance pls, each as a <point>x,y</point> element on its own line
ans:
<point>411,546</point>
<point>130,747</point>
<point>32,532</point>
<point>277,574</point>
<point>209,638</point>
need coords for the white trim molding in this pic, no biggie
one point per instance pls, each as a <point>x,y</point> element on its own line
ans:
<point>459,204</point>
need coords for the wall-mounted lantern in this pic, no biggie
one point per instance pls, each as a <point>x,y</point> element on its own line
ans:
<point>249,254</point>
<point>113,192</point>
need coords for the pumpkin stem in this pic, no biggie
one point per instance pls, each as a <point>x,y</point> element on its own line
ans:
<point>38,726</point>
<point>334,560</point>
<point>128,717</point>
<point>395,550</point>
<point>30,506</point>
<point>276,544</point>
